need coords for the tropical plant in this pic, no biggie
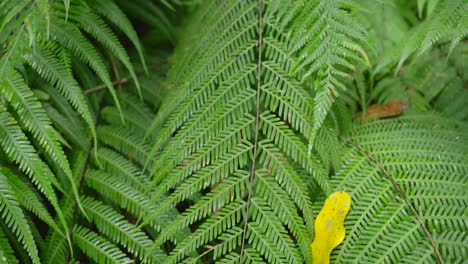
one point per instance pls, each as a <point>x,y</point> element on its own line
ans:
<point>217,137</point>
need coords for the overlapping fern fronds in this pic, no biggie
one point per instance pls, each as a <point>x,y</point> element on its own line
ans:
<point>112,186</point>
<point>54,40</point>
<point>229,157</point>
<point>230,147</point>
<point>446,22</point>
<point>235,128</point>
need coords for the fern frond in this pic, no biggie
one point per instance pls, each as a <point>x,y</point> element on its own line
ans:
<point>126,142</point>
<point>6,251</point>
<point>35,120</point>
<point>381,225</point>
<point>19,149</point>
<point>448,21</point>
<point>14,219</point>
<point>206,125</point>
<point>228,156</point>
<point>112,224</point>
<point>222,220</point>
<point>95,26</point>
<point>136,114</point>
<point>98,248</point>
<point>225,192</point>
<point>57,245</point>
<point>328,41</point>
<point>427,5</point>
<point>50,68</point>
<point>274,128</point>
<point>29,199</point>
<point>266,218</point>
<point>122,194</point>
<point>210,175</point>
<point>231,239</point>
<point>114,14</point>
<point>264,244</point>
<point>71,38</point>
<point>73,133</point>
<point>250,257</point>
<point>118,165</point>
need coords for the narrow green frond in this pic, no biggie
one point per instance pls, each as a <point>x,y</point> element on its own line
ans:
<point>50,68</point>
<point>14,218</point>
<point>118,191</point>
<point>95,26</point>
<point>67,8</point>
<point>277,130</point>
<point>29,199</point>
<point>71,37</point>
<point>229,240</point>
<point>448,21</point>
<point>328,42</point>
<point>251,256</point>
<point>446,17</point>
<point>6,251</point>
<point>222,220</point>
<point>225,164</point>
<point>136,114</point>
<point>266,218</point>
<point>115,15</point>
<point>223,139</point>
<point>97,248</point>
<point>286,211</point>
<point>258,238</point>
<point>118,165</point>
<point>36,121</point>
<point>33,117</point>
<point>229,189</point>
<point>112,224</point>
<point>125,142</point>
<point>72,133</point>
<point>57,247</point>
<point>20,150</point>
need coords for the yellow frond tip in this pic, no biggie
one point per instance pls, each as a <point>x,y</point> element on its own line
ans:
<point>329,226</point>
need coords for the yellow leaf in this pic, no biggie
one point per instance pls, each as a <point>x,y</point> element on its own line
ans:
<point>329,228</point>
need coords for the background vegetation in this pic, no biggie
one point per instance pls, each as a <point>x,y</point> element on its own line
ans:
<point>178,131</point>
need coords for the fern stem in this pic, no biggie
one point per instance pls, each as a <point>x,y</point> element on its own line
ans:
<point>103,86</point>
<point>403,195</point>
<point>115,70</point>
<point>124,80</point>
<point>257,127</point>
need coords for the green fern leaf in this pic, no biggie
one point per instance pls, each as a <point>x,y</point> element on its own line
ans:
<point>95,26</point>
<point>113,13</point>
<point>448,21</point>
<point>6,251</point>
<point>70,37</point>
<point>328,39</point>
<point>29,199</point>
<point>48,66</point>
<point>14,219</point>
<point>36,121</point>
<point>381,225</point>
<point>234,112</point>
<point>97,248</point>
<point>124,141</point>
<point>112,224</point>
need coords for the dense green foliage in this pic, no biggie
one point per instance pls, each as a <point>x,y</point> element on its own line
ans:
<point>214,132</point>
